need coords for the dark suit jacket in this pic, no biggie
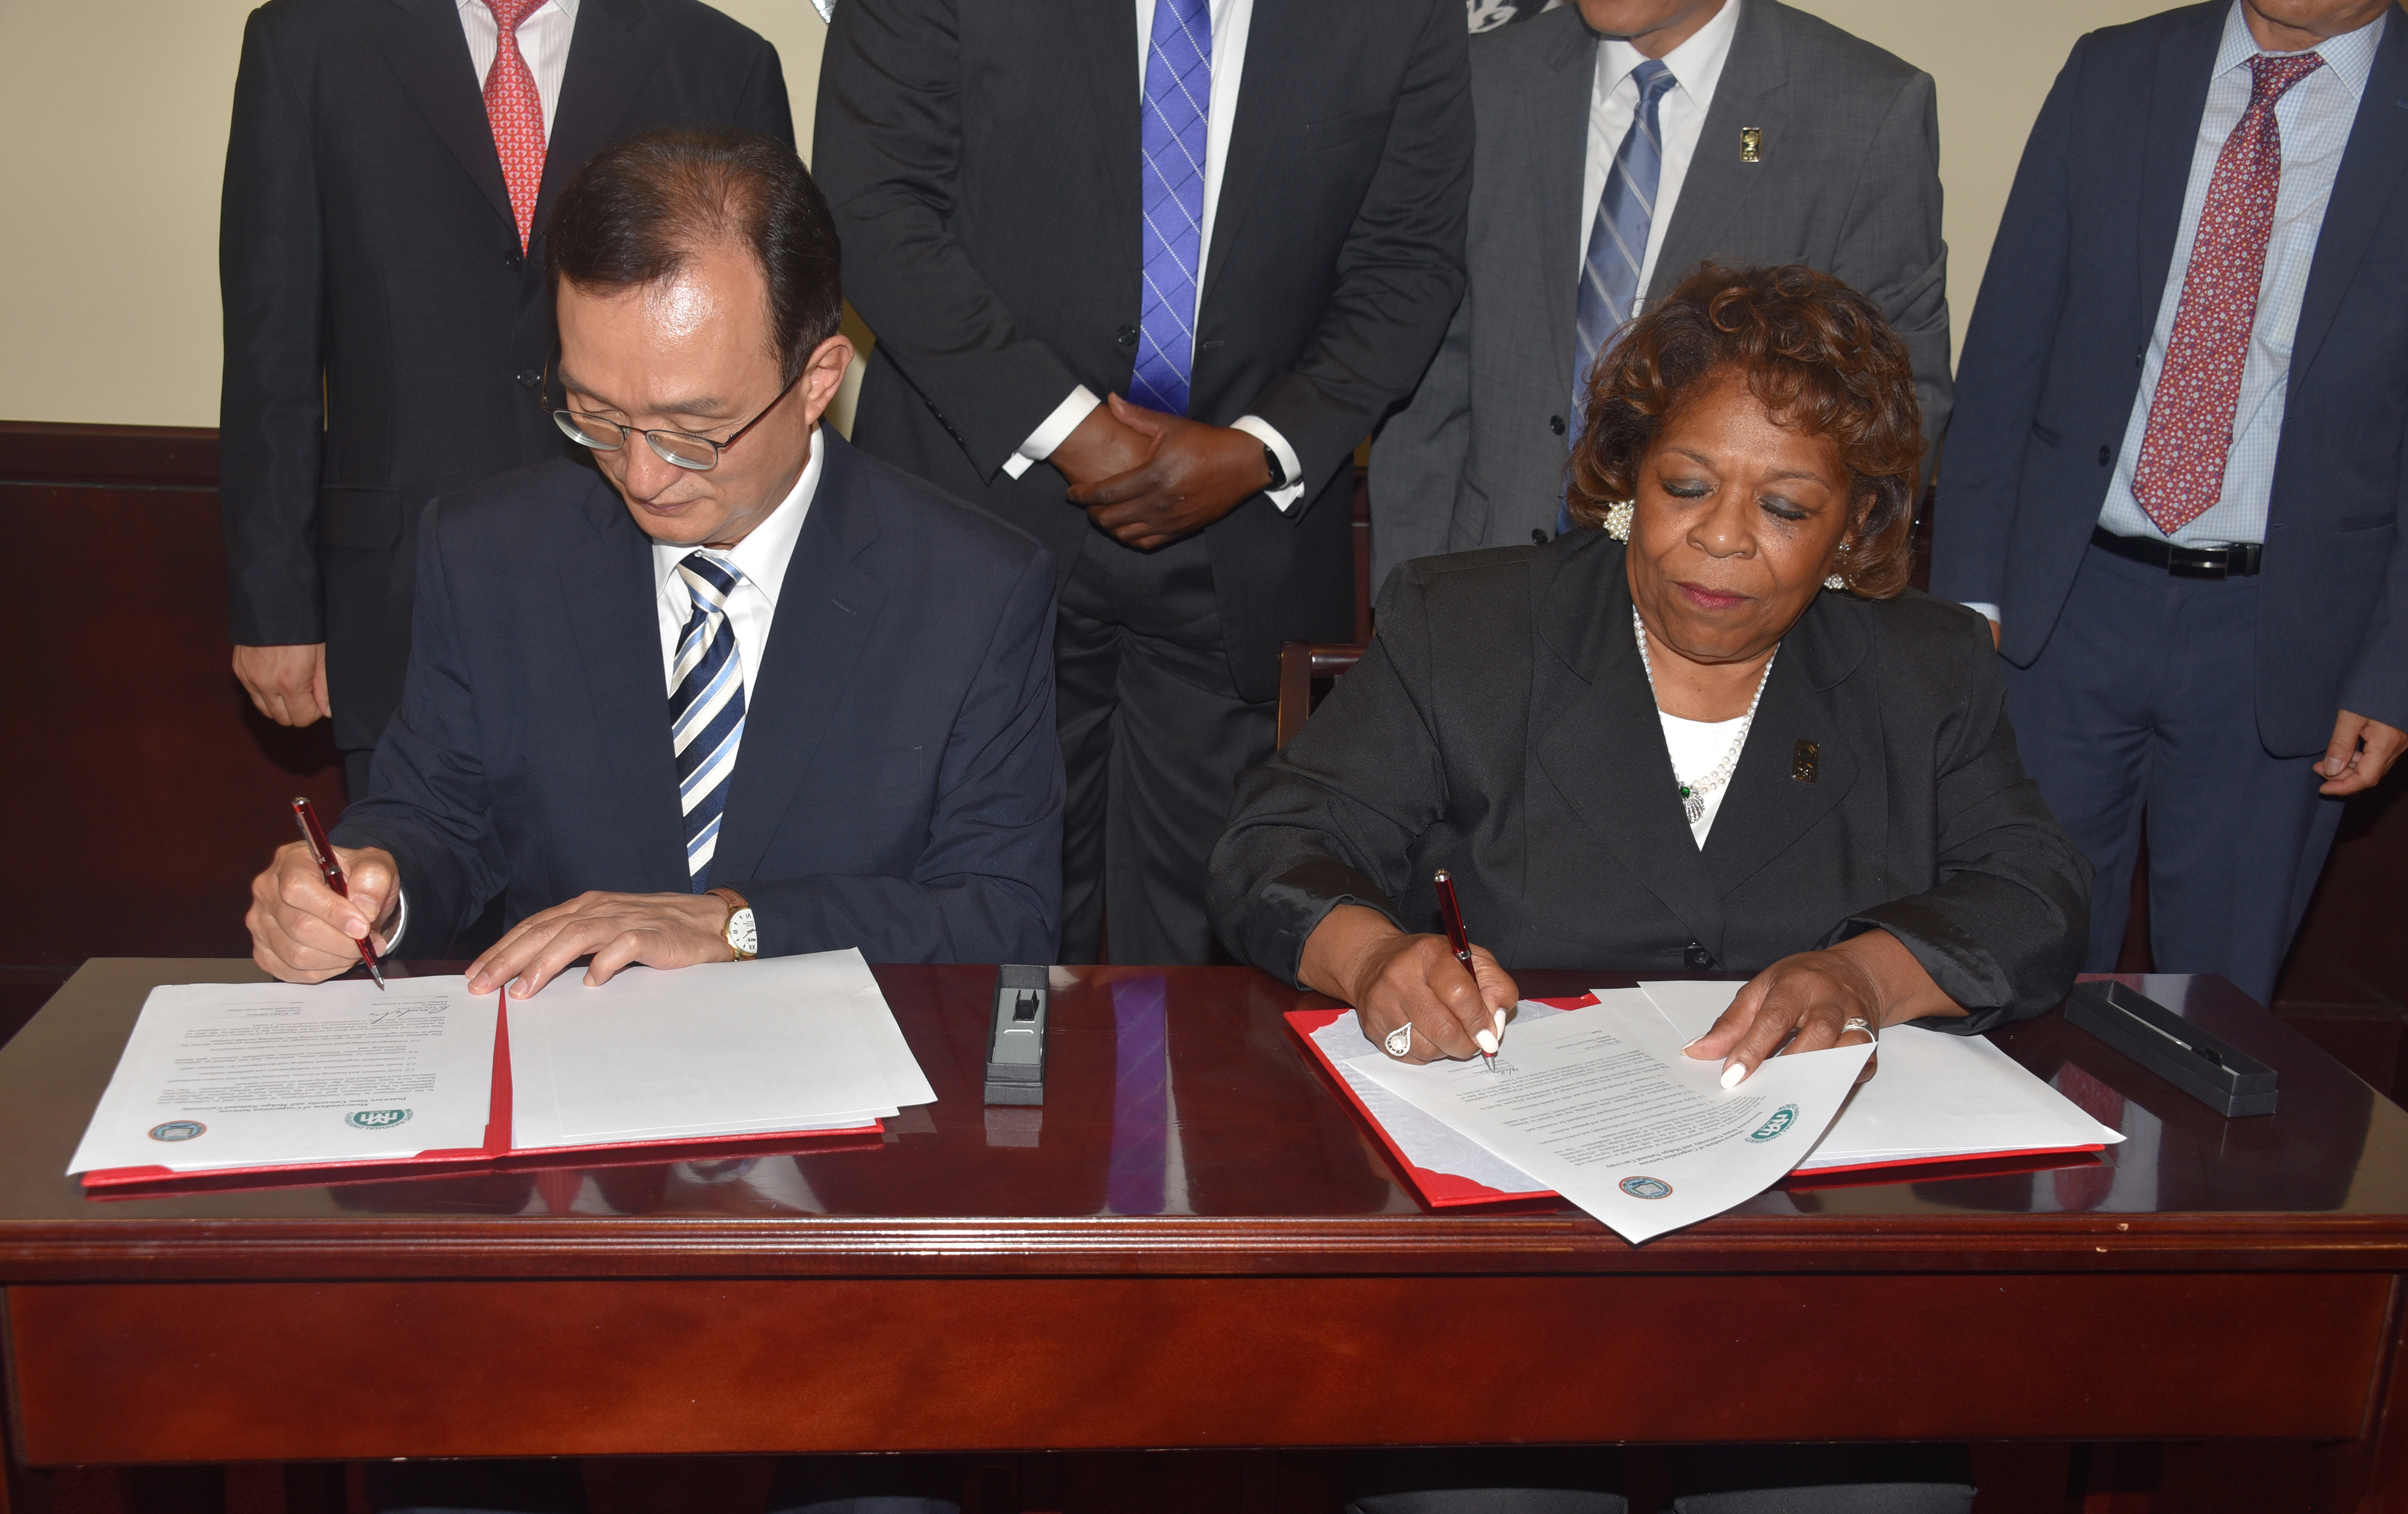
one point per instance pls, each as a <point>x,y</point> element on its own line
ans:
<point>899,788</point>
<point>367,256</point>
<point>1847,180</point>
<point>2053,364</point>
<point>982,161</point>
<point>1501,726</point>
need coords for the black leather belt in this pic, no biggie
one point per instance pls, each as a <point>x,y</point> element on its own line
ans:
<point>2234,560</point>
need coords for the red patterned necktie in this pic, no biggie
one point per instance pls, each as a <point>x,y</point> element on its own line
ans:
<point>515,112</point>
<point>2181,471</point>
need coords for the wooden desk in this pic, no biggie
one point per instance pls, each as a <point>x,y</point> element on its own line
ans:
<point>1219,1258</point>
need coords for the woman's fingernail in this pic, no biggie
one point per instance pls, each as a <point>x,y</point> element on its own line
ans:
<point>1487,1041</point>
<point>1691,1041</point>
<point>1732,1074</point>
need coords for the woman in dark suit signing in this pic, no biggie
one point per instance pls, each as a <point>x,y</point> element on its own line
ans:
<point>1715,732</point>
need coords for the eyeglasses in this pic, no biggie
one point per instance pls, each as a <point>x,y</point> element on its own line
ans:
<point>678,447</point>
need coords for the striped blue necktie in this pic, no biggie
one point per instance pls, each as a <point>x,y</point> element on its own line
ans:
<point>1617,239</point>
<point>706,707</point>
<point>1178,94</point>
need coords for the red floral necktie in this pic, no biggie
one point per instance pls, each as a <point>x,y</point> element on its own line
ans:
<point>2181,471</point>
<point>515,112</point>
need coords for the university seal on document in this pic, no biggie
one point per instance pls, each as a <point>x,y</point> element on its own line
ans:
<point>375,1119</point>
<point>176,1130</point>
<point>1782,1120</point>
<point>1646,1187</point>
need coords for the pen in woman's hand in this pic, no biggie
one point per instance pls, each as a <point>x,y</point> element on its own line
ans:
<point>1461,941</point>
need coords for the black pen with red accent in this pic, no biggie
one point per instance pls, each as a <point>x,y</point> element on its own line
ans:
<point>321,852</point>
<point>1460,939</point>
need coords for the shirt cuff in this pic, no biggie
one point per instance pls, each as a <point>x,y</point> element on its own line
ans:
<point>1988,611</point>
<point>1263,431</point>
<point>1056,430</point>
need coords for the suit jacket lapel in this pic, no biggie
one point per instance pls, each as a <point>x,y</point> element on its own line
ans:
<point>1604,751</point>
<point>2178,97</point>
<point>826,611</point>
<point>423,43</point>
<point>1559,99</point>
<point>1103,34</point>
<point>609,58</point>
<point>2363,192</point>
<point>605,575</point>
<point>1262,112</point>
<point>1767,807</point>
<point>1753,91</point>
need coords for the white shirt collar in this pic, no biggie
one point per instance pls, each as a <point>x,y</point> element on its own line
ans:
<point>2349,57</point>
<point>566,7</point>
<point>1697,65</point>
<point>763,554</point>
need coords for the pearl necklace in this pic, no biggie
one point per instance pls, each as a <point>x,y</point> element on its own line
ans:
<point>1694,790</point>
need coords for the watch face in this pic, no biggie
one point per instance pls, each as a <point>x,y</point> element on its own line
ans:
<point>740,934</point>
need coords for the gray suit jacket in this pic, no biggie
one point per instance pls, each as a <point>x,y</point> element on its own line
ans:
<point>1848,182</point>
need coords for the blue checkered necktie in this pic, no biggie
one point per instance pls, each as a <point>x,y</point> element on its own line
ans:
<point>706,707</point>
<point>1617,239</point>
<point>1177,95</point>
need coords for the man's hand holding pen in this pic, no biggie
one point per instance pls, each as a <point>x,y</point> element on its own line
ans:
<point>1394,980</point>
<point>301,930</point>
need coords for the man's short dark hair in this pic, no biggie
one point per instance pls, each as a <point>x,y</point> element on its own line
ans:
<point>638,211</point>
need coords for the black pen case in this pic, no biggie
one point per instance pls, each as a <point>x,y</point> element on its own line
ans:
<point>2210,1070</point>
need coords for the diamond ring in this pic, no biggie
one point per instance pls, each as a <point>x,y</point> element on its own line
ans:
<point>1858,1023</point>
<point>1400,1040</point>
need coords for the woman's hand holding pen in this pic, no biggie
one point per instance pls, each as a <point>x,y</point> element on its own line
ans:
<point>1815,1000</point>
<point>1392,979</point>
<point>304,931</point>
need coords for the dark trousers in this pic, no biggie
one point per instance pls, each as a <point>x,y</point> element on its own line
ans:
<point>2142,709</point>
<point>1153,737</point>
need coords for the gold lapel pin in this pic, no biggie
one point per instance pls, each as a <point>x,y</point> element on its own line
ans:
<point>1750,139</point>
<point>1804,760</point>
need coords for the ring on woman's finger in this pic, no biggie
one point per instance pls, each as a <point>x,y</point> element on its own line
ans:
<point>1858,1023</point>
<point>1400,1041</point>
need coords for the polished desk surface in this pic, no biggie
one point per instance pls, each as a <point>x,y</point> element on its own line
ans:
<point>1246,1162</point>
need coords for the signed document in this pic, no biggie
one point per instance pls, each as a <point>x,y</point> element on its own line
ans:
<point>1600,1106</point>
<point>241,1075</point>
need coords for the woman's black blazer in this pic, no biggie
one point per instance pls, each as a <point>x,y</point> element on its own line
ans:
<point>1501,726</point>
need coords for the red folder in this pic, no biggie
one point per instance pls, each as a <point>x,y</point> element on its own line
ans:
<point>496,1149</point>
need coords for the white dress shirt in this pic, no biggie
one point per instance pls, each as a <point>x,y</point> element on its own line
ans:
<point>1696,66</point>
<point>1232,22</point>
<point>761,558</point>
<point>2315,116</point>
<point>543,42</point>
<point>1697,748</point>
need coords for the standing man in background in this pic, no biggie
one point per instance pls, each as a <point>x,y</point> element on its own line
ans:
<point>2176,485</point>
<point>1242,223</point>
<point>1622,142</point>
<point>387,328</point>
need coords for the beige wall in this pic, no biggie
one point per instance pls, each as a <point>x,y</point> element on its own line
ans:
<point>116,111</point>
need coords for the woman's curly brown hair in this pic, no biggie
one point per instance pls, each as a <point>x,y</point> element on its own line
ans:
<point>1820,357</point>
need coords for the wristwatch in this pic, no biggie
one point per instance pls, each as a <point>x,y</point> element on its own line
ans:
<point>743,937</point>
<point>1278,473</point>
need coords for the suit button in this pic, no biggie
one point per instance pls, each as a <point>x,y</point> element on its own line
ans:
<point>513,259</point>
<point>1126,335</point>
<point>530,379</point>
<point>1699,959</point>
<point>2105,456</point>
<point>1556,424</point>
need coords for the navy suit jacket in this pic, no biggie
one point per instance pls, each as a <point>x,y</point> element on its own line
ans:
<point>2053,360</point>
<point>899,786</point>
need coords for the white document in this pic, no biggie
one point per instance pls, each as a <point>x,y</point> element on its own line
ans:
<point>1935,1096</point>
<point>1600,1106</point>
<point>730,1049</point>
<point>242,1075</point>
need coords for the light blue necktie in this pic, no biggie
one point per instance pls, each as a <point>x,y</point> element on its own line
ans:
<point>1617,241</point>
<point>1177,93</point>
<point>705,707</point>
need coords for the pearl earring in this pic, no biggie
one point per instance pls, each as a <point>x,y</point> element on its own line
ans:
<point>1617,519</point>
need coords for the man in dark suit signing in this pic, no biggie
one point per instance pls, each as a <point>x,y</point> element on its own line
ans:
<point>744,691</point>
<point>380,258</point>
<point>2176,483</point>
<point>1621,142</point>
<point>1242,222</point>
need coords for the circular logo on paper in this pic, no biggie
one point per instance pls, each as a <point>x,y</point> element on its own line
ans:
<point>176,1130</point>
<point>375,1119</point>
<point>1646,1187</point>
<point>1782,1120</point>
